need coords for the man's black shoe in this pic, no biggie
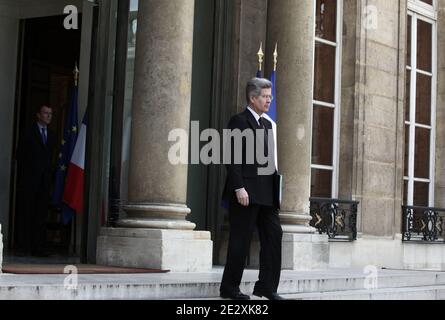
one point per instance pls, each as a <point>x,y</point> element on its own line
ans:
<point>234,296</point>
<point>270,296</point>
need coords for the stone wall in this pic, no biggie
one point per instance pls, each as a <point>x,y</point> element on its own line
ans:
<point>378,116</point>
<point>440,109</point>
<point>9,33</point>
<point>386,252</point>
<point>347,99</point>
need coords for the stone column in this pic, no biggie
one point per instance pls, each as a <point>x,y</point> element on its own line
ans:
<point>155,232</point>
<point>292,24</point>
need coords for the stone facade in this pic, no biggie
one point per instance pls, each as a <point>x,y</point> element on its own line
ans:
<point>154,231</point>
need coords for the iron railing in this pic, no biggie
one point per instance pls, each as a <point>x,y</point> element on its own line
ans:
<point>423,224</point>
<point>337,218</point>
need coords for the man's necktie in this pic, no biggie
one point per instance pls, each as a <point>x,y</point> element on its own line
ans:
<point>266,140</point>
<point>44,136</point>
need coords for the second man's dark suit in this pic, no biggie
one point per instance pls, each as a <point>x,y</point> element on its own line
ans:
<point>261,213</point>
<point>34,185</point>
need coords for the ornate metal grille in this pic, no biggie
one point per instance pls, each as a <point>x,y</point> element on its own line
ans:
<point>423,224</point>
<point>337,218</point>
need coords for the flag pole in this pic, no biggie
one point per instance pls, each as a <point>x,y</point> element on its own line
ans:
<point>74,229</point>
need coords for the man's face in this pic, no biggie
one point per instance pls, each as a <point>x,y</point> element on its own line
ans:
<point>45,115</point>
<point>261,104</point>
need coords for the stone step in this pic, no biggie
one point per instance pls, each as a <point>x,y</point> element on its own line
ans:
<point>321,283</point>
<point>406,293</point>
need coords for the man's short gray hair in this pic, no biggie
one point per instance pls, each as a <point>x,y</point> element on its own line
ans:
<point>254,87</point>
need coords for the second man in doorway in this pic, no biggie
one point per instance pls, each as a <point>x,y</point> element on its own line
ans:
<point>34,155</point>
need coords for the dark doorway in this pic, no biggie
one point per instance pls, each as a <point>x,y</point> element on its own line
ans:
<point>48,56</point>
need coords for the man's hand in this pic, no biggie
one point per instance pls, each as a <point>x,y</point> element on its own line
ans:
<point>243,197</point>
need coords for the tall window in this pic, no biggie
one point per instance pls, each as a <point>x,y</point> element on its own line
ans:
<point>325,121</point>
<point>420,104</point>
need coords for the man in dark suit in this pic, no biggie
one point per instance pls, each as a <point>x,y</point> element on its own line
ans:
<point>252,200</point>
<point>34,157</point>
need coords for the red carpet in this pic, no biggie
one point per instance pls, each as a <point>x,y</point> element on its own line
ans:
<point>81,269</point>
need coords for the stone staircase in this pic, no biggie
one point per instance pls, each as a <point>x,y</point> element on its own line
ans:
<point>338,284</point>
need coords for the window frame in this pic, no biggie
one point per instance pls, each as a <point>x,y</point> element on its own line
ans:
<point>424,12</point>
<point>337,99</point>
<point>423,8</point>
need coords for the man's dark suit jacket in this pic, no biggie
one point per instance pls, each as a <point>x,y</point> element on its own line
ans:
<point>259,188</point>
<point>34,160</point>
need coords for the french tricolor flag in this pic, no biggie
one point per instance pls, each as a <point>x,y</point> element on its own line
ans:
<point>73,194</point>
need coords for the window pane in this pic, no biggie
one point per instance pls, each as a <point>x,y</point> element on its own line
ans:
<point>321,183</point>
<point>421,194</point>
<point>134,5</point>
<point>424,45</point>
<point>132,23</point>
<point>423,99</point>
<point>322,136</point>
<point>326,20</point>
<point>408,39</point>
<point>422,154</point>
<point>324,78</point>
<point>430,2</point>
<point>408,95</point>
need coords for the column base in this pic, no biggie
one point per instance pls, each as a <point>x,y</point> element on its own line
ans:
<point>156,216</point>
<point>298,229</point>
<point>174,250</point>
<point>292,222</point>
<point>305,252</point>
